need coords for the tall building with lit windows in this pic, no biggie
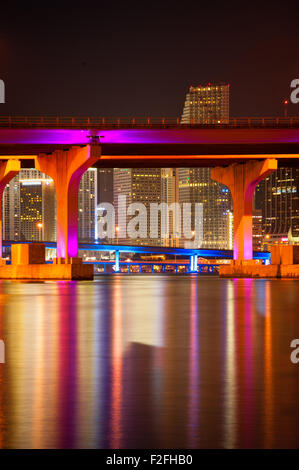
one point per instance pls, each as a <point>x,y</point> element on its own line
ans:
<point>277,197</point>
<point>206,104</point>
<point>170,196</point>
<point>87,206</point>
<point>104,195</point>
<point>141,185</point>
<point>196,186</point>
<point>29,207</point>
<point>105,185</point>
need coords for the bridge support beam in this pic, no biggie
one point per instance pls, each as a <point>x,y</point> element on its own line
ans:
<point>66,167</point>
<point>242,179</point>
<point>193,263</point>
<point>8,169</point>
<point>116,265</point>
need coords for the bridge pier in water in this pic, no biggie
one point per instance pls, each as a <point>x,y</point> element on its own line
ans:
<point>116,265</point>
<point>65,167</point>
<point>193,263</point>
<point>242,179</point>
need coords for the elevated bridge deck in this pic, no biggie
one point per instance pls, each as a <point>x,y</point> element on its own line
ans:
<point>154,142</point>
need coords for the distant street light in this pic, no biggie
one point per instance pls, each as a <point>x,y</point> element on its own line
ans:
<point>39,225</point>
<point>117,230</point>
<point>285,103</point>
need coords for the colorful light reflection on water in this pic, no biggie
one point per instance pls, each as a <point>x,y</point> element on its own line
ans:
<point>150,362</point>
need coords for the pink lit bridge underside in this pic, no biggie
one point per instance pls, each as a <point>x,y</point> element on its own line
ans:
<point>244,156</point>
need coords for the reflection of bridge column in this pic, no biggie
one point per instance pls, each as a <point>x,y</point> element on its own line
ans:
<point>66,167</point>
<point>193,263</point>
<point>242,179</point>
<point>116,265</point>
<point>8,169</point>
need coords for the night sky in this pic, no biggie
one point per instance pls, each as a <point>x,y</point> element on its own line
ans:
<point>139,58</point>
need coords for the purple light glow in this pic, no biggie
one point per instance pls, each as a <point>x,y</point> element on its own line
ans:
<point>150,136</point>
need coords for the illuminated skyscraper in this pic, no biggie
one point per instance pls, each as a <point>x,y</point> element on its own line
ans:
<point>195,186</point>
<point>87,206</point>
<point>257,229</point>
<point>277,196</point>
<point>29,207</point>
<point>141,185</point>
<point>105,195</point>
<point>105,185</point>
<point>170,195</point>
<point>207,105</point>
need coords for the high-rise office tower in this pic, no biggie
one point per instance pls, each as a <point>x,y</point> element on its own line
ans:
<point>105,185</point>
<point>207,105</point>
<point>257,231</point>
<point>230,230</point>
<point>139,185</point>
<point>29,207</point>
<point>87,206</point>
<point>105,195</point>
<point>170,196</point>
<point>277,196</point>
<point>196,186</point>
<point>11,210</point>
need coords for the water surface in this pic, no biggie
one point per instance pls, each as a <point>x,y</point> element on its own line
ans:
<point>149,361</point>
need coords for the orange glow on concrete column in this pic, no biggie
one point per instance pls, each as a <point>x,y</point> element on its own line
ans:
<point>242,179</point>
<point>66,168</point>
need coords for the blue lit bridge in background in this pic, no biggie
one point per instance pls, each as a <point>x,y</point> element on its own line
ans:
<point>192,259</point>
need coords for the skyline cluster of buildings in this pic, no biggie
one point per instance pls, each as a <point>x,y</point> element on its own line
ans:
<point>29,203</point>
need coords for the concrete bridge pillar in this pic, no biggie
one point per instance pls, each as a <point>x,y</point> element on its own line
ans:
<point>116,265</point>
<point>66,167</point>
<point>8,169</point>
<point>193,263</point>
<point>242,179</point>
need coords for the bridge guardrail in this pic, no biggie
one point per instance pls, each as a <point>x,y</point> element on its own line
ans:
<point>80,122</point>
